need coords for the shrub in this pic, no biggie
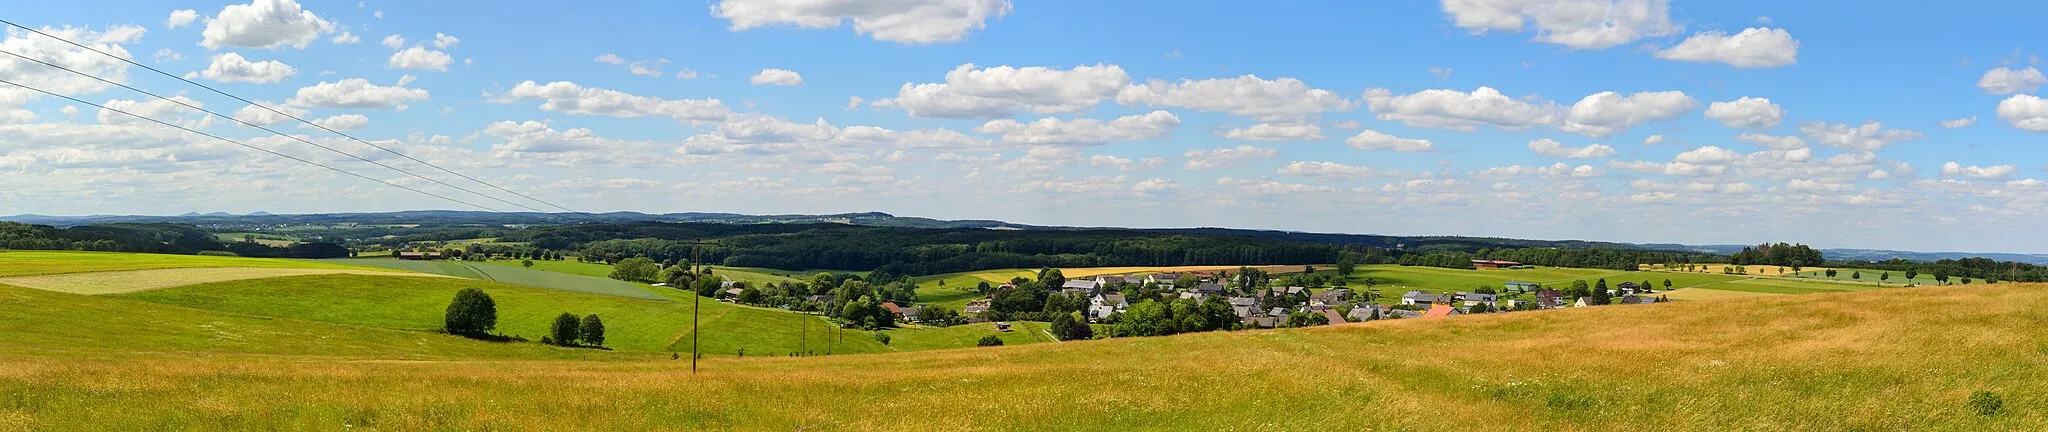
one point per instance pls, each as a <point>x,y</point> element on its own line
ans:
<point>882,337</point>
<point>472,313</point>
<point>565,328</point>
<point>592,331</point>
<point>1985,403</point>
<point>990,340</point>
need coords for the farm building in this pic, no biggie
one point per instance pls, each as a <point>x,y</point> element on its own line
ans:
<point>1441,310</point>
<point>1493,264</point>
<point>1423,298</point>
<point>1521,286</point>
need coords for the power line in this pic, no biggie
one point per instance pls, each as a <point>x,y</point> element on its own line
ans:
<point>239,143</point>
<point>267,129</point>
<point>301,120</point>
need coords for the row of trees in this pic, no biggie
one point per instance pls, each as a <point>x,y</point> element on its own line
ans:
<point>1975,268</point>
<point>569,331</point>
<point>151,238</point>
<point>1779,254</point>
<point>474,314</point>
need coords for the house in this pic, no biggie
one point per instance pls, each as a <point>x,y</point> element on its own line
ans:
<point>1549,299</point>
<point>892,308</point>
<point>1330,296</point>
<point>1335,318</point>
<point>730,293</point>
<point>1002,326</point>
<point>1422,298</point>
<point>1245,312</point>
<point>1636,299</point>
<point>1087,288</point>
<point>910,313</point>
<point>1474,299</point>
<point>1628,287</point>
<point>1265,322</point>
<point>1520,287</point>
<point>973,307</point>
<point>1100,312</point>
<point>1515,304</point>
<point>1583,302</point>
<point>1277,312</point>
<point>821,298</point>
<point>1197,297</point>
<point>1162,278</point>
<point>1364,312</point>
<point>1210,288</point>
<point>1493,264</point>
<point>1402,313</point>
<point>1109,280</point>
<point>1134,280</point>
<point>1440,311</point>
<point>1112,300</point>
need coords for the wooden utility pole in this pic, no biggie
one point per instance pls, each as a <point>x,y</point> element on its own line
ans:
<point>697,300</point>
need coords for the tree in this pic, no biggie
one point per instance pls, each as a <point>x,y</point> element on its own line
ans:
<point>1911,273</point>
<point>1052,278</point>
<point>1600,295</point>
<point>1831,273</point>
<point>564,332</point>
<point>1856,275</point>
<point>1966,280</point>
<point>592,331</point>
<point>472,313</point>
<point>882,337</point>
<point>1881,277</point>
<point>635,269</point>
<point>1345,266</point>
<point>1667,284</point>
<point>526,263</point>
<point>990,341</point>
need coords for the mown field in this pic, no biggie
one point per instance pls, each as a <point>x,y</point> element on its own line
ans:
<point>512,274</point>
<point>24,263</point>
<point>1895,359</point>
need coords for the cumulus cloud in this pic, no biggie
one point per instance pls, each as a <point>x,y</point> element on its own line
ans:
<point>419,58</point>
<point>1774,142</point>
<point>1224,157</point>
<point>1460,111</point>
<point>1578,24</point>
<point>253,114</point>
<point>999,91</point>
<point>1653,140</point>
<point>1275,132</point>
<point>266,24</point>
<point>346,38</point>
<point>355,93</point>
<point>779,77</point>
<point>1276,100</point>
<point>444,41</point>
<point>1551,148</point>
<point>1754,47</point>
<point>231,67</point>
<point>59,53</point>
<point>2027,112</point>
<point>1553,170</point>
<point>393,42</point>
<point>1603,114</point>
<point>908,22</point>
<point>344,122</point>
<point>1870,136</point>
<point>1326,170</point>
<point>1707,155</point>
<point>2004,81</point>
<point>646,68</point>
<point>1082,132</point>
<point>1959,123</point>
<point>1747,113</point>
<point>1995,172</point>
<point>181,17</point>
<point>1376,140</point>
<point>571,98</point>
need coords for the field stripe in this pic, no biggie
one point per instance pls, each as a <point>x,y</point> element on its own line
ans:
<point>116,282</point>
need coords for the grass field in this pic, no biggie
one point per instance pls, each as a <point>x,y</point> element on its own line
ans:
<point>261,238</point>
<point>511,274</point>
<point>26,263</point>
<point>115,282</point>
<point>1833,361</point>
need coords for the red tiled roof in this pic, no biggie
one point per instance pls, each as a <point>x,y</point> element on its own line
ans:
<point>1439,311</point>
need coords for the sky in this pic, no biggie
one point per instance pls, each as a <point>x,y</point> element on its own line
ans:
<point>1877,124</point>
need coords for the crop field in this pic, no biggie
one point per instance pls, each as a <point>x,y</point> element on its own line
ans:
<point>115,282</point>
<point>261,238</point>
<point>26,263</point>
<point>1756,363</point>
<point>511,274</point>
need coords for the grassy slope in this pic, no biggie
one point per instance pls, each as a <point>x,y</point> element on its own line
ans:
<point>512,275</point>
<point>23,263</point>
<point>1873,360</point>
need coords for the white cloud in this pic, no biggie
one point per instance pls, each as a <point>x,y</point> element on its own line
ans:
<point>419,58</point>
<point>1774,142</point>
<point>1579,24</point>
<point>1224,157</point>
<point>181,17</point>
<point>1440,72</point>
<point>62,54</point>
<point>853,103</point>
<point>231,67</point>
<point>165,54</point>
<point>1653,140</point>
<point>780,77</point>
<point>686,74</point>
<point>2027,112</point>
<point>1747,113</point>
<point>1376,140</point>
<point>393,42</point>
<point>2003,81</point>
<point>346,38</point>
<point>1154,186</point>
<point>1870,136</point>
<point>258,116</point>
<point>1003,90</point>
<point>1708,155</point>
<point>1554,170</point>
<point>444,41</point>
<point>571,98</point>
<point>263,24</point>
<point>1277,100</point>
<point>646,68</point>
<point>355,93</point>
<point>1755,47</point>
<point>1996,172</point>
<point>344,122</point>
<point>1551,148</point>
<point>1052,131</point>
<point>908,21</point>
<point>159,109</point>
<point>1456,110</point>
<point>1326,170</point>
<point>1275,132</point>
<point>1603,114</point>
<point>1959,123</point>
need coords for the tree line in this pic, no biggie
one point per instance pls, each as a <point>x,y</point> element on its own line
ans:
<point>164,238</point>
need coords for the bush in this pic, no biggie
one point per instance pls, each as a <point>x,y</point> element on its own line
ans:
<point>592,331</point>
<point>472,313</point>
<point>882,337</point>
<point>565,329</point>
<point>990,340</point>
<point>1985,403</point>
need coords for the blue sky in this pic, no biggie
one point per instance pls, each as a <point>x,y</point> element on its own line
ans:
<point>1872,124</point>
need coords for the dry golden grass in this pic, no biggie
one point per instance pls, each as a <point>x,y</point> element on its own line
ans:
<point>116,282</point>
<point>1708,293</point>
<point>1902,359</point>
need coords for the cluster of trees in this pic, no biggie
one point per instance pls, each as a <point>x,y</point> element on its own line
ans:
<point>1779,254</point>
<point>471,314</point>
<point>151,238</point>
<point>569,331</point>
<point>1159,318</point>
<point>1986,269</point>
<point>1613,259</point>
